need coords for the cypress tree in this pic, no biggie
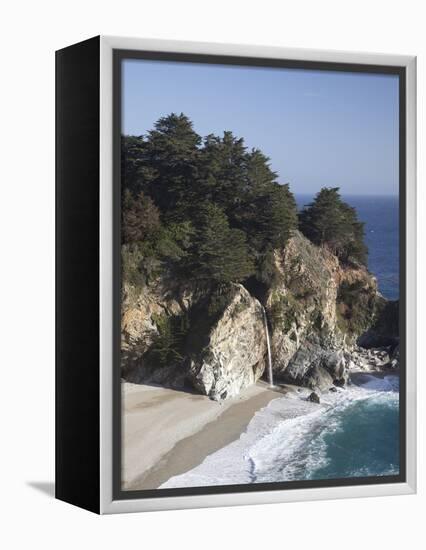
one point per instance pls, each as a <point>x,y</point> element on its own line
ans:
<point>330,222</point>
<point>173,156</point>
<point>221,252</point>
<point>140,217</point>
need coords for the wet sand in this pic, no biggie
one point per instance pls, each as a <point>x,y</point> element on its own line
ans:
<point>168,432</point>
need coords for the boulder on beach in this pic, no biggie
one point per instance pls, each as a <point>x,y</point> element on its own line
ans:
<point>233,356</point>
<point>318,378</point>
<point>314,397</point>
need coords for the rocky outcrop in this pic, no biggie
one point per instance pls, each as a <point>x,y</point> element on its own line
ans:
<point>222,348</point>
<point>314,398</point>
<point>234,355</point>
<point>313,367</point>
<point>321,317</point>
<point>144,311</point>
<point>384,330</point>
<point>318,310</point>
<point>379,359</point>
<point>301,306</point>
<point>307,309</point>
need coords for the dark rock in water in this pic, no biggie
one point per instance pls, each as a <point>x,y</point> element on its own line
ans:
<point>339,382</point>
<point>314,397</point>
<point>359,378</point>
<point>333,389</point>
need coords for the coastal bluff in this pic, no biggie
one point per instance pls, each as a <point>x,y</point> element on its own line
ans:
<point>324,319</point>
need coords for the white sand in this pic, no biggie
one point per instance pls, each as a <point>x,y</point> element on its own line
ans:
<point>158,424</point>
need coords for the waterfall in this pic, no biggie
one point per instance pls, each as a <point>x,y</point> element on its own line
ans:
<point>268,344</point>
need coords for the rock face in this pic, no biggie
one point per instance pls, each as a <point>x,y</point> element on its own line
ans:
<point>234,356</point>
<point>301,305</point>
<point>384,331</point>
<point>223,348</point>
<point>142,314</point>
<point>314,398</point>
<point>383,358</point>
<point>212,337</point>
<point>317,309</point>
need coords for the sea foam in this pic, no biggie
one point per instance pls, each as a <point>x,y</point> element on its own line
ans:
<point>292,439</point>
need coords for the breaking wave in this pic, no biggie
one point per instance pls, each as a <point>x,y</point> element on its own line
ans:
<point>355,432</point>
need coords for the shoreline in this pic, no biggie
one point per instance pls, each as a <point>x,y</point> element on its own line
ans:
<point>168,432</point>
<point>292,417</point>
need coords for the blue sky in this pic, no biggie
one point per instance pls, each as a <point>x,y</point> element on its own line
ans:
<point>318,128</point>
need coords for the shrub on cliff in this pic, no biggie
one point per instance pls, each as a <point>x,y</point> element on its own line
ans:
<point>356,307</point>
<point>141,218</point>
<point>148,244</point>
<point>329,221</point>
<point>168,345</point>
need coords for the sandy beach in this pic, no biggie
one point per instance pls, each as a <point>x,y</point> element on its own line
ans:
<point>167,432</point>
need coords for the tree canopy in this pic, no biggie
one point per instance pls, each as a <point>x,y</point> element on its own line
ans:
<point>220,203</point>
<point>331,222</point>
<point>222,251</point>
<point>213,209</point>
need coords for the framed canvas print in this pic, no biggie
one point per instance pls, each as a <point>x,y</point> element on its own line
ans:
<point>235,275</point>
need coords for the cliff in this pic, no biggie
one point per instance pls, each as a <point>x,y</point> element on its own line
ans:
<point>212,337</point>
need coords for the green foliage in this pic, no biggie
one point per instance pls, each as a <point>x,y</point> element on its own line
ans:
<point>219,203</point>
<point>348,292</point>
<point>219,299</point>
<point>172,242</point>
<point>223,170</point>
<point>212,209</point>
<point>136,169</point>
<point>173,157</point>
<point>221,252</point>
<point>165,248</point>
<point>141,218</point>
<point>169,343</point>
<point>386,318</point>
<point>284,310</point>
<point>355,307</point>
<point>276,216</point>
<point>258,171</point>
<point>266,271</point>
<point>330,222</point>
<point>134,265</point>
<point>265,210</point>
